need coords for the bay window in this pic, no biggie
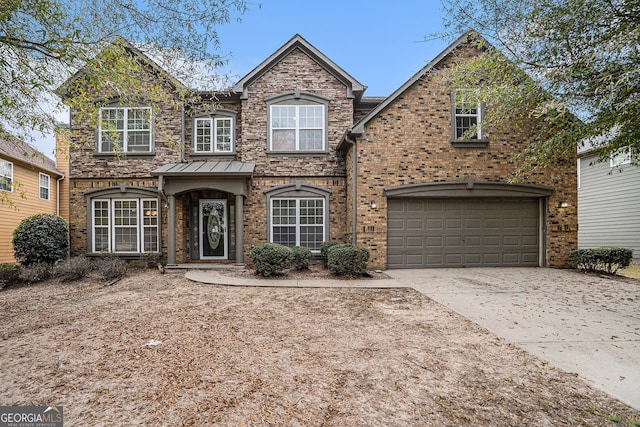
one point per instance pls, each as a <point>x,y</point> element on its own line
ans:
<point>125,225</point>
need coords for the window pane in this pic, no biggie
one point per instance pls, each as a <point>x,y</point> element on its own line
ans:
<point>311,116</point>
<point>126,239</point>
<point>111,129</point>
<point>138,141</point>
<point>284,235</point>
<point>312,237</point>
<point>138,118</point>
<point>203,135</point>
<point>223,135</point>
<point>6,175</point>
<point>101,226</point>
<point>283,116</point>
<point>311,139</point>
<point>283,140</point>
<point>463,124</point>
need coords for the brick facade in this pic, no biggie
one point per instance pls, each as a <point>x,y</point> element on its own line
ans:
<point>407,142</point>
<point>410,143</point>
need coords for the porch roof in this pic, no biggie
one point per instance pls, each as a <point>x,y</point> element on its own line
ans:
<point>206,168</point>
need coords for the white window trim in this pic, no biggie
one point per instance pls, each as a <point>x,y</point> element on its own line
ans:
<point>125,137</point>
<point>297,224</point>
<point>41,187</point>
<point>478,116</point>
<point>627,160</point>
<point>10,176</point>
<point>213,135</point>
<point>298,128</point>
<point>111,227</point>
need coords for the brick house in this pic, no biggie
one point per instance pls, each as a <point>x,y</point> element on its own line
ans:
<point>296,154</point>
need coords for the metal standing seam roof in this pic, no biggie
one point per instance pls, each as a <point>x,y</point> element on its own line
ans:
<point>206,168</point>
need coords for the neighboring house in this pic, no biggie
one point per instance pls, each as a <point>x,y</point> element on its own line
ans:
<point>29,182</point>
<point>608,201</point>
<point>296,154</point>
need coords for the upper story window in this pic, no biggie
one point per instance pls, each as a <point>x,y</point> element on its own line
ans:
<point>214,134</point>
<point>622,157</point>
<point>44,186</point>
<point>467,117</point>
<point>6,175</point>
<point>297,122</point>
<point>125,129</point>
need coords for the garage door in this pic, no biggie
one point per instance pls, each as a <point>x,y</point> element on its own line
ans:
<point>462,232</point>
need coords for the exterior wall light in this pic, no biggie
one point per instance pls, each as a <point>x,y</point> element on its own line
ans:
<point>373,204</point>
<point>564,204</point>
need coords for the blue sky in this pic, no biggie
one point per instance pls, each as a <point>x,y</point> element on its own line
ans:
<point>381,44</point>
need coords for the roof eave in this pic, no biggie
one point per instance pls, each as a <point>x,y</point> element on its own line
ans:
<point>355,89</point>
<point>358,128</point>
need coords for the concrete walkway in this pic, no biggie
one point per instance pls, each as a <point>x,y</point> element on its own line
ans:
<point>579,323</point>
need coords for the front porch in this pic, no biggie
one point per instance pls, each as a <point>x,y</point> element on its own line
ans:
<point>205,204</point>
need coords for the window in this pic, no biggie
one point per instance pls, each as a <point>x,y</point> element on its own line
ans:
<point>213,135</point>
<point>298,222</point>
<point>44,186</point>
<point>6,175</point>
<point>297,122</point>
<point>622,157</point>
<point>125,129</point>
<point>125,225</point>
<point>467,117</point>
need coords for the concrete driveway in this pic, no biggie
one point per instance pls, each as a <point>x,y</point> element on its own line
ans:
<point>579,323</point>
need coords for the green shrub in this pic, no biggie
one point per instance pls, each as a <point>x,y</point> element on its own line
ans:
<point>324,251</point>
<point>347,260</point>
<point>35,273</point>
<point>73,269</point>
<point>301,257</point>
<point>9,274</point>
<point>270,258</point>
<point>601,260</point>
<point>111,267</point>
<point>41,238</point>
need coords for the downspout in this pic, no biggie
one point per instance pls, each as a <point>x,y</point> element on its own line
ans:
<point>58,194</point>
<point>161,190</point>
<point>183,136</point>
<point>354,201</point>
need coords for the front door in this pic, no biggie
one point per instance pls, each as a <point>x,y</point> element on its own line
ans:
<point>213,229</point>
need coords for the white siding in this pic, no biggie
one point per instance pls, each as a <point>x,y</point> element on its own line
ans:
<point>609,206</point>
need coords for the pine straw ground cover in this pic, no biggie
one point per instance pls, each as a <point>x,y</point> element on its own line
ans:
<point>272,356</point>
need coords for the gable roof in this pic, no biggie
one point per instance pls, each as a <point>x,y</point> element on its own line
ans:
<point>13,149</point>
<point>358,128</point>
<point>355,89</point>
<point>63,89</point>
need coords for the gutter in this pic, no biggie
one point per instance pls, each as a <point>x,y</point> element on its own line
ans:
<point>183,136</point>
<point>354,200</point>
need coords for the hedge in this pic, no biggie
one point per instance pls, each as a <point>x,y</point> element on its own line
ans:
<point>347,259</point>
<point>601,260</point>
<point>270,258</point>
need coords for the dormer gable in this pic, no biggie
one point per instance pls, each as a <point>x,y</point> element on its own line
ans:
<point>354,88</point>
